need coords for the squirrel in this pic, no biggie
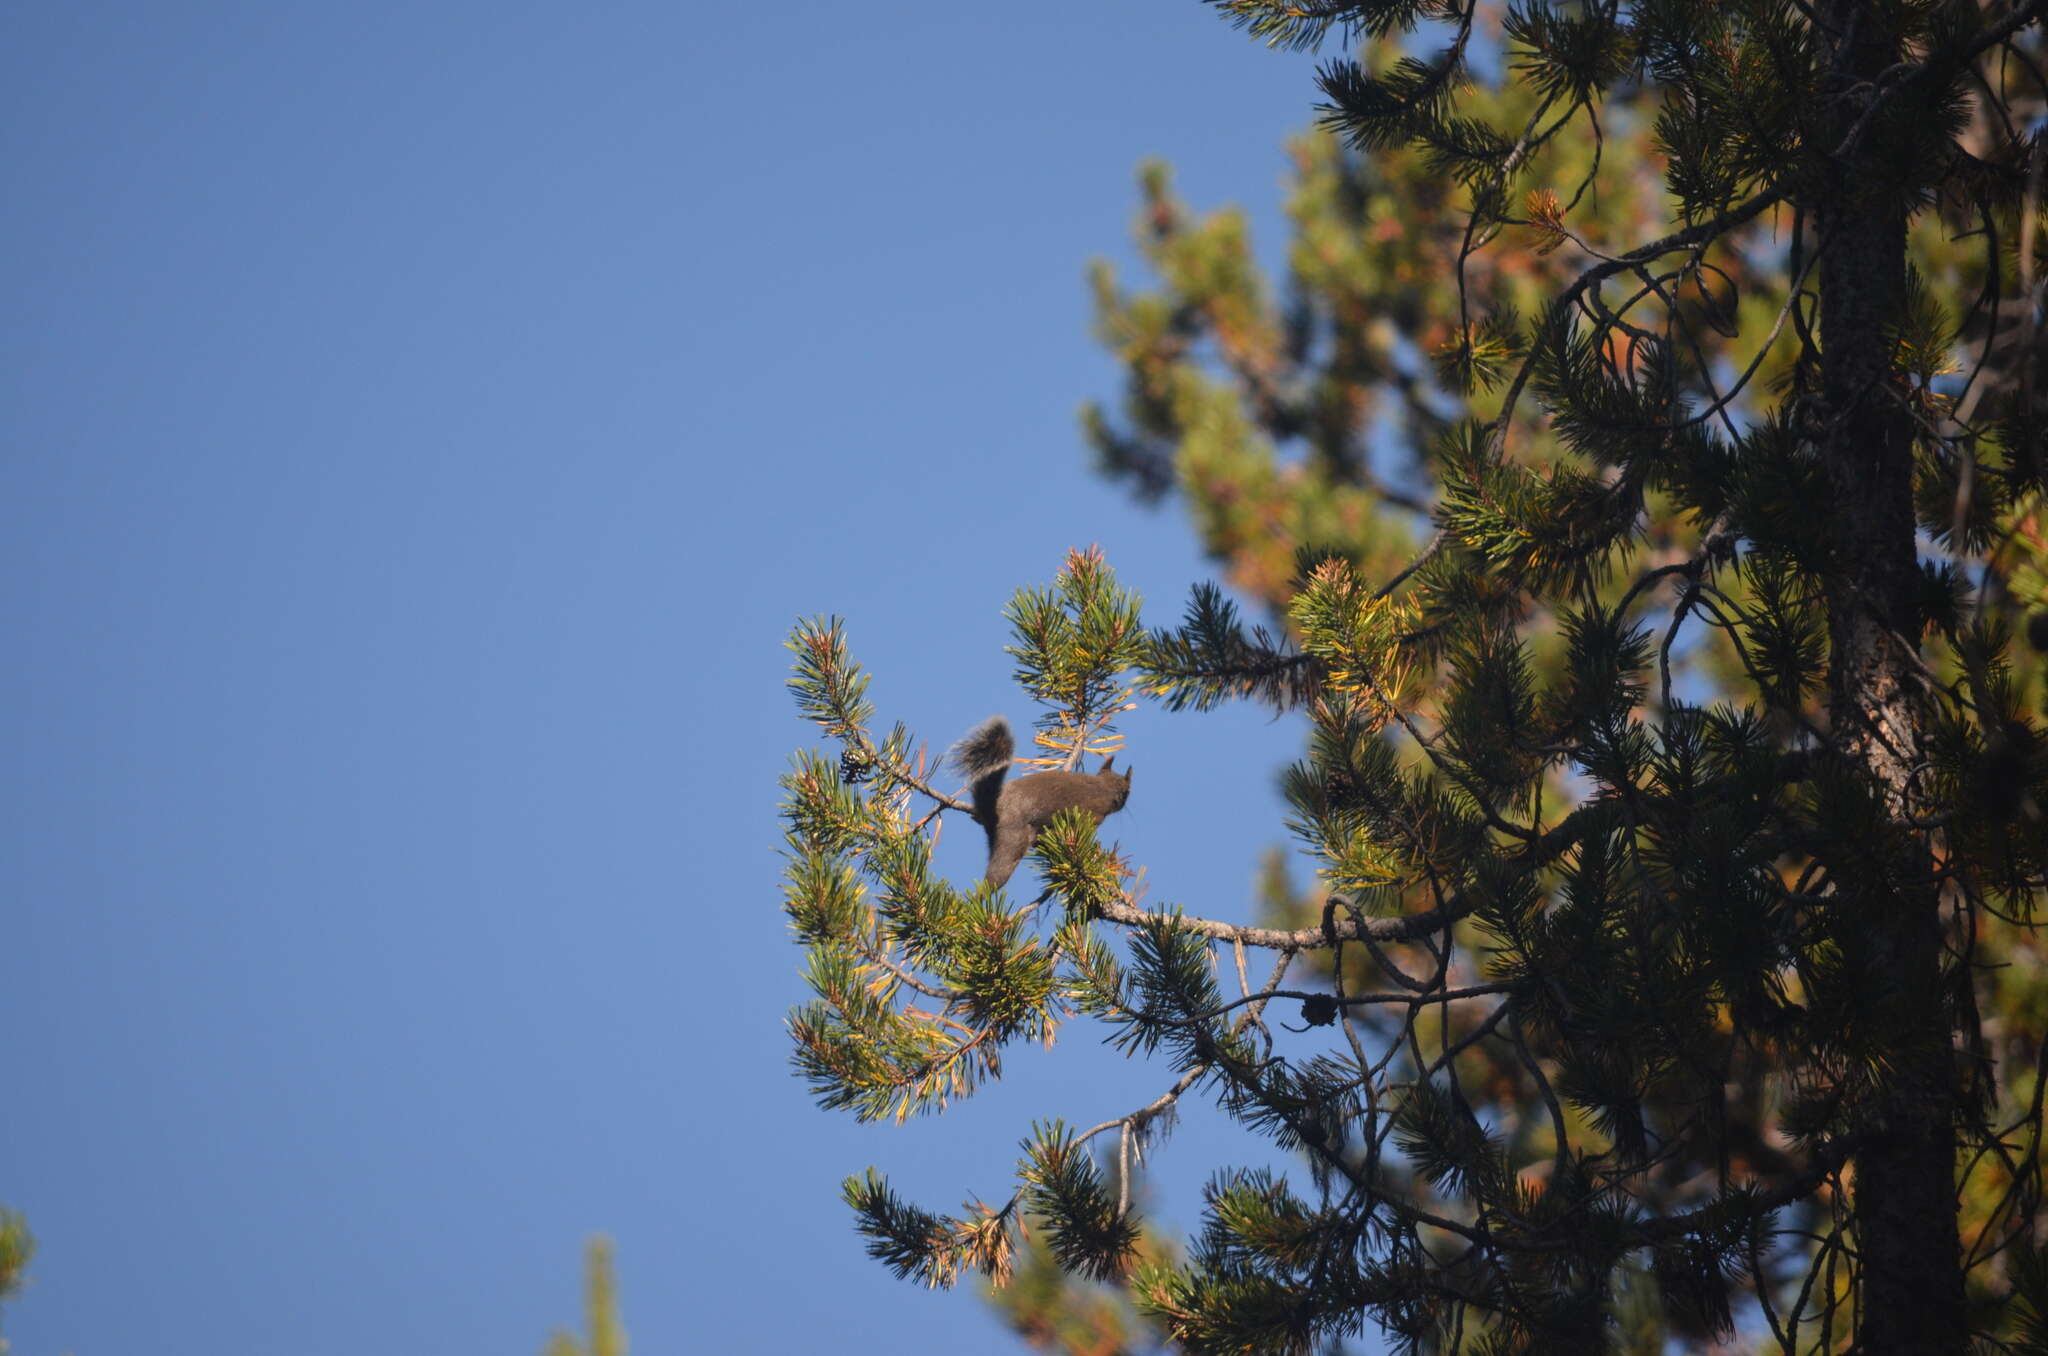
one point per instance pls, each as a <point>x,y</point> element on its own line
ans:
<point>1014,814</point>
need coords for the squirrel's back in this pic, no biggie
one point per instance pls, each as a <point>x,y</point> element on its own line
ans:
<point>1037,798</point>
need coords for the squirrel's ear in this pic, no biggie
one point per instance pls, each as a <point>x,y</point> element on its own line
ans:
<point>1107,763</point>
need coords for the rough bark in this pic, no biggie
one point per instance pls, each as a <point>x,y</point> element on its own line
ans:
<point>1904,1169</point>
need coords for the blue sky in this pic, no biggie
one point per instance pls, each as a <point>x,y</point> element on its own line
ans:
<point>423,423</point>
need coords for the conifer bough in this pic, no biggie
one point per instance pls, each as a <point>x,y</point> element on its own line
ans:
<point>1676,787</point>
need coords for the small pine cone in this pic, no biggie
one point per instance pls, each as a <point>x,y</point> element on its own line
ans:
<point>854,769</point>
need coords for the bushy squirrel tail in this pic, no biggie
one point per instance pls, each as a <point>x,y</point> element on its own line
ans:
<point>983,757</point>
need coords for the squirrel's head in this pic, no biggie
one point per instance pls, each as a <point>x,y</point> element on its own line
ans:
<point>1120,782</point>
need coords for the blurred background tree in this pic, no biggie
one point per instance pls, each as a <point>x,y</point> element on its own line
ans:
<point>17,1246</point>
<point>604,1335</point>
<point>1053,1310</point>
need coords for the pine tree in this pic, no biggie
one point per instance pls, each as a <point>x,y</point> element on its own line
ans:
<point>17,1246</point>
<point>606,1335</point>
<point>1676,787</point>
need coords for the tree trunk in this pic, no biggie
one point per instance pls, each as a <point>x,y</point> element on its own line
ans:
<point>1904,1183</point>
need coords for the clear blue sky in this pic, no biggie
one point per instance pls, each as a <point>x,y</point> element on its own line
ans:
<point>422,423</point>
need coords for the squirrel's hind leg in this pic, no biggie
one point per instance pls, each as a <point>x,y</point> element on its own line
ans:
<point>1003,856</point>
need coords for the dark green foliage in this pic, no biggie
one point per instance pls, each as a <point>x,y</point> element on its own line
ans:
<point>1602,672</point>
<point>1213,658</point>
<point>1405,103</point>
<point>1481,359</point>
<point>1553,535</point>
<point>1088,1232</point>
<point>1490,716</point>
<point>1567,55</point>
<point>900,1236</point>
<point>1785,633</point>
<point>2030,1301</point>
<point>1448,1147</point>
<point>1172,996</point>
